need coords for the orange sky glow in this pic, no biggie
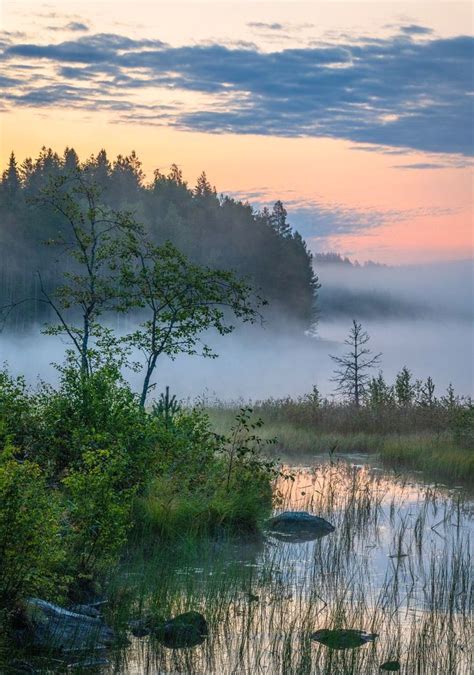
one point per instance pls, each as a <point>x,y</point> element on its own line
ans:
<point>380,209</point>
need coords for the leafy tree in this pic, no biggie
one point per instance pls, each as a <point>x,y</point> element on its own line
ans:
<point>181,301</point>
<point>351,374</point>
<point>450,400</point>
<point>90,239</point>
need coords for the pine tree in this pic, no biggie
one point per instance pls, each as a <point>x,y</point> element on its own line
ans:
<point>278,220</point>
<point>352,375</point>
<point>404,388</point>
<point>70,161</point>
<point>203,187</point>
<point>11,177</point>
<point>379,393</point>
<point>427,397</point>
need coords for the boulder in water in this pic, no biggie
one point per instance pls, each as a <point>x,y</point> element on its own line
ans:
<point>299,526</point>
<point>53,627</point>
<point>390,666</point>
<point>185,630</point>
<point>343,638</point>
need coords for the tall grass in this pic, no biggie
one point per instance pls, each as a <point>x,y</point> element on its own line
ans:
<point>429,443</point>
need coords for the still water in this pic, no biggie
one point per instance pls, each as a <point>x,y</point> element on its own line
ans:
<point>398,564</point>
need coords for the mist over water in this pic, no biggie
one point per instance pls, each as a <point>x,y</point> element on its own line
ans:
<point>428,327</point>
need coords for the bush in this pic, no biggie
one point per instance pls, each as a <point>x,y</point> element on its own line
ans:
<point>463,426</point>
<point>31,546</point>
<point>89,412</point>
<point>208,481</point>
<point>16,423</point>
<point>99,508</point>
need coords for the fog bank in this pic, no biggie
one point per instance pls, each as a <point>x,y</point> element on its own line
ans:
<point>256,363</point>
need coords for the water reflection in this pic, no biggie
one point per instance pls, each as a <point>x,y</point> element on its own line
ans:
<point>398,565</point>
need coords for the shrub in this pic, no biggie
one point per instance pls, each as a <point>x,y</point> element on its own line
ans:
<point>463,426</point>
<point>207,481</point>
<point>86,413</point>
<point>99,508</point>
<point>31,546</point>
<point>16,421</point>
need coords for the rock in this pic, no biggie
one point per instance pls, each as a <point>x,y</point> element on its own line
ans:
<point>139,627</point>
<point>391,666</point>
<point>54,627</point>
<point>343,638</point>
<point>88,610</point>
<point>298,526</point>
<point>185,630</point>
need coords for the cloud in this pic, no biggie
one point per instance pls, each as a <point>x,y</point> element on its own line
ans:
<point>266,26</point>
<point>421,165</point>
<point>77,26</point>
<point>413,29</point>
<point>396,93</point>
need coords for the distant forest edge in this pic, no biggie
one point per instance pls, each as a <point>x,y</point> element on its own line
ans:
<point>213,230</point>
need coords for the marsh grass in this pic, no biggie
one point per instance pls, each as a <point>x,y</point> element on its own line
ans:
<point>436,452</point>
<point>398,564</point>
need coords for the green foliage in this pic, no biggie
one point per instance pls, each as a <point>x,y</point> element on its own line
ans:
<point>463,425</point>
<point>88,412</point>
<point>99,507</point>
<point>206,480</point>
<point>404,387</point>
<point>243,447</point>
<point>15,411</point>
<point>379,394</point>
<point>179,301</point>
<point>166,407</point>
<point>31,546</point>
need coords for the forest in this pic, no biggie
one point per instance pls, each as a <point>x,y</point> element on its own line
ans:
<point>210,229</point>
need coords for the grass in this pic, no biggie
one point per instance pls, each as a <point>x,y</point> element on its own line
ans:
<point>436,455</point>
<point>435,452</point>
<point>168,509</point>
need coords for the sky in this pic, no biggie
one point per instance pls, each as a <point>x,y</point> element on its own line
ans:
<point>358,115</point>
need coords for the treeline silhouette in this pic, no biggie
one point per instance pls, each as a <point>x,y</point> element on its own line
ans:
<point>211,229</point>
<point>332,258</point>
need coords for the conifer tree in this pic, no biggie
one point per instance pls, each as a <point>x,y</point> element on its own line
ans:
<point>351,374</point>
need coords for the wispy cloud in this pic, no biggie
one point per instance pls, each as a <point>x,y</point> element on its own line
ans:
<point>77,26</point>
<point>266,26</point>
<point>318,220</point>
<point>400,92</point>
<point>414,29</point>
